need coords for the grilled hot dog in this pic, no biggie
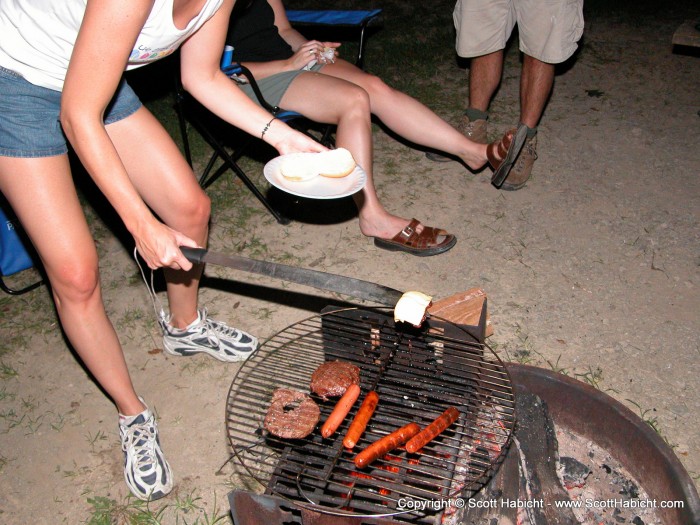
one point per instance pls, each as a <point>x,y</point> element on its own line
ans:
<point>386,444</point>
<point>433,430</point>
<point>358,425</point>
<point>342,407</point>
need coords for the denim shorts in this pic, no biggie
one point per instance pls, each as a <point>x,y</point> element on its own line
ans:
<point>29,116</point>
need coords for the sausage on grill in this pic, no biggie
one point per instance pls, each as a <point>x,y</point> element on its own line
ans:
<point>342,407</point>
<point>433,430</point>
<point>358,425</point>
<point>386,444</point>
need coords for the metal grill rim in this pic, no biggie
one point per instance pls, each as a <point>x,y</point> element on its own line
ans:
<point>315,472</point>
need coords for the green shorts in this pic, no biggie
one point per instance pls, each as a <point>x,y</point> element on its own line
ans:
<point>549,29</point>
<point>275,86</point>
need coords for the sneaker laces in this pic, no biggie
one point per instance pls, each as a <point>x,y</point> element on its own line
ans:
<point>216,329</point>
<point>141,437</point>
<point>155,300</point>
<point>209,327</point>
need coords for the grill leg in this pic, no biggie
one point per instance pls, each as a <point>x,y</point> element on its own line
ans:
<point>253,509</point>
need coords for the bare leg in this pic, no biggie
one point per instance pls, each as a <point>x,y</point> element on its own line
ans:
<point>484,77</point>
<point>333,101</point>
<point>345,95</point>
<point>536,84</point>
<point>408,117</point>
<point>42,193</point>
<point>168,186</point>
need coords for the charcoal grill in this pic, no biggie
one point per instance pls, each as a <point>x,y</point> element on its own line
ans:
<point>418,373</point>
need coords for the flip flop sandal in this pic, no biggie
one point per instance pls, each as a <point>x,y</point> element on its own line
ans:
<point>421,244</point>
<point>502,154</point>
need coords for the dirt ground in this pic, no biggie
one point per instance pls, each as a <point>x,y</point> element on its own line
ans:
<point>593,269</point>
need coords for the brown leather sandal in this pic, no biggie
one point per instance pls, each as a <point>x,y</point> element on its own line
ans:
<point>422,244</point>
<point>502,154</point>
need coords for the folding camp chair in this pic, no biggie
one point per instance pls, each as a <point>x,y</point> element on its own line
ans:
<point>204,123</point>
<point>14,257</point>
<point>354,21</point>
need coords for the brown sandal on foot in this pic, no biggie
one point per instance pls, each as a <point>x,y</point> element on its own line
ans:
<point>421,244</point>
<point>502,154</point>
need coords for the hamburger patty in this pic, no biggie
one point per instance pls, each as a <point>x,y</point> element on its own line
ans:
<point>332,378</point>
<point>292,414</point>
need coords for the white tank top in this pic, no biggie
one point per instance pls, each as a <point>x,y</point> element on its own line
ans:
<point>37,36</point>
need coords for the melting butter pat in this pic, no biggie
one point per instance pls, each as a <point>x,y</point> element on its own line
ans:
<point>412,308</point>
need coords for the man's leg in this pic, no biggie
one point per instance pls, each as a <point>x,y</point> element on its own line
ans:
<point>536,83</point>
<point>484,77</point>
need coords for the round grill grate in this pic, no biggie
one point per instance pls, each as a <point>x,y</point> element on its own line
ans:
<point>418,373</point>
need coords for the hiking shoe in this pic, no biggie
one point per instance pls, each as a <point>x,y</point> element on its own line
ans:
<point>215,338</point>
<point>146,470</point>
<point>473,130</point>
<point>521,171</point>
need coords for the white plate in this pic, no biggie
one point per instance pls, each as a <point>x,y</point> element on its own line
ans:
<point>318,187</point>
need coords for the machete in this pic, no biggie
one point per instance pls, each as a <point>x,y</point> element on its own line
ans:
<point>324,281</point>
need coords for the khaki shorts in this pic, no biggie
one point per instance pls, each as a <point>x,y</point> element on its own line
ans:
<point>548,29</point>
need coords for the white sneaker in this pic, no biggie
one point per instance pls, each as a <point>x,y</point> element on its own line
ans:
<point>146,470</point>
<point>215,338</point>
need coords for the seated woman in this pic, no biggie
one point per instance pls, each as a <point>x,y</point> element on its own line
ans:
<point>293,74</point>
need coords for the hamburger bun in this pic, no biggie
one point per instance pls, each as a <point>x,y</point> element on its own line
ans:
<point>412,308</point>
<point>298,167</point>
<point>335,163</point>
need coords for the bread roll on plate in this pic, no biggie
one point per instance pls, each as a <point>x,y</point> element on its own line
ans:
<point>334,163</point>
<point>298,167</point>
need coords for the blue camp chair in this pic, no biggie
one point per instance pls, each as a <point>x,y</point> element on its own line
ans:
<point>14,257</point>
<point>356,22</point>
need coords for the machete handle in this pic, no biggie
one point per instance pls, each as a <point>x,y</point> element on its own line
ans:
<point>194,255</point>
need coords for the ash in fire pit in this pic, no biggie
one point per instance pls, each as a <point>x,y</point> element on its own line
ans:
<point>552,476</point>
<point>607,493</point>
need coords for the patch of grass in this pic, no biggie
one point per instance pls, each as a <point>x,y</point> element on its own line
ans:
<point>29,403</point>
<point>522,356</point>
<point>11,419</point>
<point>555,366</point>
<point>106,511</point>
<point>5,395</point>
<point>592,376</point>
<point>186,510</point>
<point>94,439</point>
<point>196,366</point>
<point>647,415</point>
<point>59,421</point>
<point>264,313</point>
<point>7,371</point>
<point>76,472</point>
<point>33,424</point>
